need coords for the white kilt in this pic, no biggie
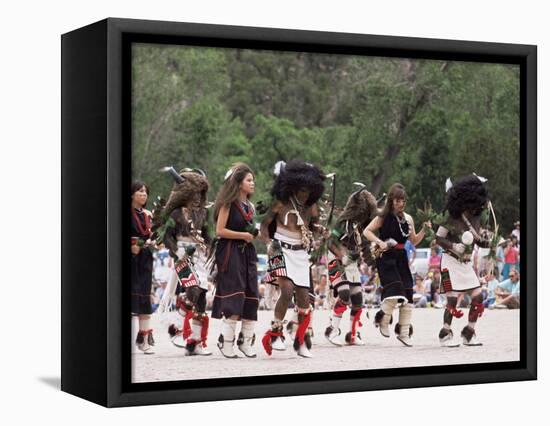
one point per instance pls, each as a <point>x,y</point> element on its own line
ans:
<point>296,263</point>
<point>351,271</point>
<point>462,275</point>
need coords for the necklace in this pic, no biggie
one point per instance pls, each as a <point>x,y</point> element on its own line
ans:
<point>307,235</point>
<point>144,231</point>
<point>402,221</point>
<point>247,216</point>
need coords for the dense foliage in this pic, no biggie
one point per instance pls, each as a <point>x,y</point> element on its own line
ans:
<point>369,119</point>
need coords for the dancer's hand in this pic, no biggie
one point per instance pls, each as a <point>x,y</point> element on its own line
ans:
<point>383,245</point>
<point>248,237</point>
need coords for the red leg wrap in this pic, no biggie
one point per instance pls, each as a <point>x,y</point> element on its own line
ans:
<point>339,308</point>
<point>356,321</point>
<point>302,327</point>
<point>204,330</point>
<point>187,324</point>
<point>476,310</point>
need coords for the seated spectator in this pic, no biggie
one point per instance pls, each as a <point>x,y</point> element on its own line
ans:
<point>489,285</point>
<point>511,257</point>
<point>507,292</point>
<point>434,263</point>
<point>370,291</point>
<point>435,297</point>
<point>419,296</point>
<point>464,300</point>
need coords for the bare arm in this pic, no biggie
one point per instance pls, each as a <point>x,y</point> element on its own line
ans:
<point>369,232</point>
<point>270,217</point>
<point>415,238</point>
<point>223,232</point>
<point>441,238</point>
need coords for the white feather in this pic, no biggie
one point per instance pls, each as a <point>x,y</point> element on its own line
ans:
<point>279,165</point>
<point>228,174</point>
<point>481,178</point>
<point>448,184</point>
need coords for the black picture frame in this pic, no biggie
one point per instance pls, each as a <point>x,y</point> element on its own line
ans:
<point>96,150</point>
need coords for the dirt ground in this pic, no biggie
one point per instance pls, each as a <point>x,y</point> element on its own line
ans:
<point>497,329</point>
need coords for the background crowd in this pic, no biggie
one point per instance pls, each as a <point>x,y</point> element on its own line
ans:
<point>500,284</point>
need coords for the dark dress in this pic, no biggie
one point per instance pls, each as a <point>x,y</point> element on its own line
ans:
<point>237,278</point>
<point>393,265</point>
<point>141,268</point>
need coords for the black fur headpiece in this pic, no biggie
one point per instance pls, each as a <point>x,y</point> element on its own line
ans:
<point>466,193</point>
<point>296,175</point>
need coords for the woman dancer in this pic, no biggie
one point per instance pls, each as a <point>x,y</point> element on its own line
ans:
<point>395,226</point>
<point>237,295</point>
<point>141,266</point>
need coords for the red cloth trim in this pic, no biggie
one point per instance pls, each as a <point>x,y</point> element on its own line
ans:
<point>229,295</point>
<point>204,330</point>
<point>144,232</point>
<point>266,340</point>
<point>457,313</point>
<point>399,246</point>
<point>246,216</point>
<point>478,309</point>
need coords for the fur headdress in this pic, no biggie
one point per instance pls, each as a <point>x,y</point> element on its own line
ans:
<point>182,193</point>
<point>360,208</point>
<point>466,193</point>
<point>296,175</point>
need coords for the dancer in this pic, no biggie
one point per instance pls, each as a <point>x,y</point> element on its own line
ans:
<point>186,237</point>
<point>466,199</point>
<point>395,226</point>
<point>237,295</point>
<point>287,232</point>
<point>141,266</point>
<point>347,249</point>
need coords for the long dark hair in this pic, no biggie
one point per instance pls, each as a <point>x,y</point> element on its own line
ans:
<point>136,186</point>
<point>396,192</point>
<point>230,189</point>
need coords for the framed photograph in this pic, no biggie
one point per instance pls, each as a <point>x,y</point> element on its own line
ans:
<point>255,212</point>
